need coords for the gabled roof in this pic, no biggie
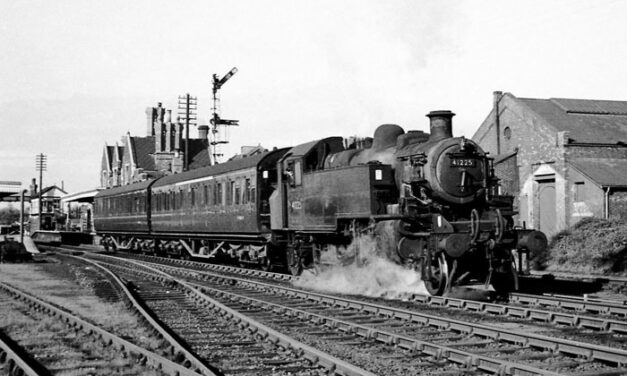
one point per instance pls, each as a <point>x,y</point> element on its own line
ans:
<point>605,172</point>
<point>199,153</point>
<point>142,149</point>
<point>108,152</point>
<point>586,121</point>
<point>51,191</point>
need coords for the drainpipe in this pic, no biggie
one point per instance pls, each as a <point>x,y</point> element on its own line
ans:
<point>607,202</point>
<point>497,121</point>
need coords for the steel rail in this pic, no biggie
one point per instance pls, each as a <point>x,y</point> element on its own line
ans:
<point>14,355</point>
<point>568,303</point>
<point>452,354</point>
<point>496,366</point>
<point>149,357</point>
<point>586,350</point>
<point>562,318</point>
<point>313,355</point>
<point>192,360</point>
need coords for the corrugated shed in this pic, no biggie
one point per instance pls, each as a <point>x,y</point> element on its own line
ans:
<point>603,171</point>
<point>586,121</point>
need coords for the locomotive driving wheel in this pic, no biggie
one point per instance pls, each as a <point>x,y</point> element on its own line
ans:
<point>438,272</point>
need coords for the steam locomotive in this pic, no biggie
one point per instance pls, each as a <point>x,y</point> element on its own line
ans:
<point>431,200</point>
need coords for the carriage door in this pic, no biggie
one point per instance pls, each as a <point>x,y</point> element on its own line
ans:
<point>546,198</point>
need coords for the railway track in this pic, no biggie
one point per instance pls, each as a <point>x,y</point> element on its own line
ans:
<point>51,340</point>
<point>585,313</point>
<point>229,340</point>
<point>513,350</point>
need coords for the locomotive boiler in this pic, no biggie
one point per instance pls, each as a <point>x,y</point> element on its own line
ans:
<point>431,200</point>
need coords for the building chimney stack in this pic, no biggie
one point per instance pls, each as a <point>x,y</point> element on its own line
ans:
<point>150,121</point>
<point>441,125</point>
<point>203,131</point>
<point>33,188</point>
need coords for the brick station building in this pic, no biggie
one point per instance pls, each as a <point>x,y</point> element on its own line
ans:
<point>160,152</point>
<point>563,159</point>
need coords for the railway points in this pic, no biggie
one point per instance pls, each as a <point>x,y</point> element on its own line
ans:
<point>574,348</point>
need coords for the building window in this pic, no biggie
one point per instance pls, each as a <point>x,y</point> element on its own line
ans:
<point>580,191</point>
<point>507,132</point>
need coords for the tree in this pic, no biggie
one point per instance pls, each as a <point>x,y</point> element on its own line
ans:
<point>9,216</point>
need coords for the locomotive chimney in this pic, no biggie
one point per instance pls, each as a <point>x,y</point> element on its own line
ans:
<point>203,131</point>
<point>441,125</point>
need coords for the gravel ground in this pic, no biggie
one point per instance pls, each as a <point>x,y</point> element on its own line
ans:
<point>73,287</point>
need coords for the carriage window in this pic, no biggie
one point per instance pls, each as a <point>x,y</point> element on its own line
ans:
<point>253,191</point>
<point>238,194</point>
<point>246,191</point>
<point>231,192</point>
<point>206,194</point>
<point>193,196</point>
<point>217,197</point>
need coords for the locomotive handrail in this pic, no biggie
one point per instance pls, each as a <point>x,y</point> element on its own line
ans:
<point>474,225</point>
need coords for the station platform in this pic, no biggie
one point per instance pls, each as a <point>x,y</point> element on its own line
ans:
<point>29,244</point>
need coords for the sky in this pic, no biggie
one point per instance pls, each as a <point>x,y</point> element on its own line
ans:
<point>76,74</point>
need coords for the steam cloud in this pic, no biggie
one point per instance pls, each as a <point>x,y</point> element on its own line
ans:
<point>370,273</point>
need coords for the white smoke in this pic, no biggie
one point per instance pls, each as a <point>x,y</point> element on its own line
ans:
<point>369,274</point>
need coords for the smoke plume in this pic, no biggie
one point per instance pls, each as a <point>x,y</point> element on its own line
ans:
<point>362,269</point>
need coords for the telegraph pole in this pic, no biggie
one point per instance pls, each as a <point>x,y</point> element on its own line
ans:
<point>215,118</point>
<point>188,106</point>
<point>40,165</point>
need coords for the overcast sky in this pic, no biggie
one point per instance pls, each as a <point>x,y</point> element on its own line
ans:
<point>77,74</point>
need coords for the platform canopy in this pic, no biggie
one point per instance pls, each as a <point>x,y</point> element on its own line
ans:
<point>10,190</point>
<point>86,196</point>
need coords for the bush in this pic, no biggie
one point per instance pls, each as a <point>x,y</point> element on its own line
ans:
<point>593,245</point>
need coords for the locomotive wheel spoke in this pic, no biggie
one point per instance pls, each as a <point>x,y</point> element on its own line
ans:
<point>439,275</point>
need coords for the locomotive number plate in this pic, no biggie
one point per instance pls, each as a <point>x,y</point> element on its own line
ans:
<point>461,162</point>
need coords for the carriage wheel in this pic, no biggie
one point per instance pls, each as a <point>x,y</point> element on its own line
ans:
<point>439,275</point>
<point>265,264</point>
